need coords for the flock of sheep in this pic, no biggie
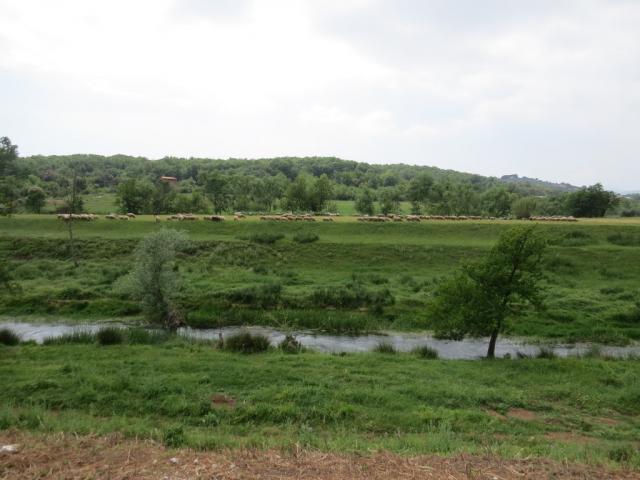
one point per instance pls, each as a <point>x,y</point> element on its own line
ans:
<point>289,217</point>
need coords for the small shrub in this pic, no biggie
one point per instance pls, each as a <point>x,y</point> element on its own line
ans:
<point>245,342</point>
<point>385,347</point>
<point>173,437</point>
<point>305,237</point>
<point>630,213</point>
<point>624,239</point>
<point>622,454</point>
<point>352,295</point>
<point>110,336</point>
<point>290,345</point>
<point>427,352</point>
<point>264,238</point>
<point>8,337</point>
<point>260,296</point>
<point>546,353</point>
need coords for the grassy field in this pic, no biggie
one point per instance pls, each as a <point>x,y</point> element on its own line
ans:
<point>584,410</point>
<point>591,269</point>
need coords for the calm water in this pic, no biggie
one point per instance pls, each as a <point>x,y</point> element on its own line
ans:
<point>466,349</point>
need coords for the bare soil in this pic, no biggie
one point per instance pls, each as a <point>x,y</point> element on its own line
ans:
<point>64,456</point>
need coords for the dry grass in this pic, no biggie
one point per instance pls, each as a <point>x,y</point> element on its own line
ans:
<point>70,457</point>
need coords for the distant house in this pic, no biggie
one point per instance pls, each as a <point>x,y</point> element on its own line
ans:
<point>173,181</point>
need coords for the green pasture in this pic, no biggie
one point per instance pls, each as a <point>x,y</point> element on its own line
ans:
<point>592,270</point>
<point>583,410</point>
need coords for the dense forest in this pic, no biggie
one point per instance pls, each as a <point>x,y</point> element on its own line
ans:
<point>310,184</point>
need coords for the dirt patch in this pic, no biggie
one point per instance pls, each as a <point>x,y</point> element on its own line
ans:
<point>522,414</point>
<point>62,456</point>
<point>570,437</point>
<point>494,414</point>
<point>220,400</point>
<point>612,422</point>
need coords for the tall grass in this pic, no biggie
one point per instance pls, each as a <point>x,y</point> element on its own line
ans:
<point>245,342</point>
<point>385,347</point>
<point>426,352</point>
<point>8,337</point>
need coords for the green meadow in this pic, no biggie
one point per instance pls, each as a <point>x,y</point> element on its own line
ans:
<point>185,393</point>
<point>343,276</point>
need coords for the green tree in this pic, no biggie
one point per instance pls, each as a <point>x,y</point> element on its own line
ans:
<point>462,199</point>
<point>297,195</point>
<point>484,296</point>
<point>217,190</point>
<point>8,158</point>
<point>35,199</point>
<point>9,181</point>
<point>419,191</point>
<point>134,196</point>
<point>389,201</point>
<point>154,281</point>
<point>593,201</point>
<point>364,202</point>
<point>496,202</point>
<point>321,193</point>
<point>162,198</point>
<point>524,207</point>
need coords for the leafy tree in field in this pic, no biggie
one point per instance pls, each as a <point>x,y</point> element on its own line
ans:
<point>9,181</point>
<point>216,187</point>
<point>321,193</point>
<point>162,198</point>
<point>523,208</point>
<point>154,281</point>
<point>593,201</point>
<point>496,201</point>
<point>389,201</point>
<point>419,191</point>
<point>35,199</point>
<point>364,203</point>
<point>462,199</point>
<point>8,158</point>
<point>297,195</point>
<point>482,298</point>
<point>134,196</point>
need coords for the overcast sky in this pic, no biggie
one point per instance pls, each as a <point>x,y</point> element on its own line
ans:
<point>543,88</point>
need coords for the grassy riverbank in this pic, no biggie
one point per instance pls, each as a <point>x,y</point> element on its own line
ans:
<point>189,394</point>
<point>354,277</point>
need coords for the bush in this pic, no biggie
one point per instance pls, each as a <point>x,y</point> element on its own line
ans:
<point>110,336</point>
<point>352,295</point>
<point>425,351</point>
<point>173,437</point>
<point>303,237</point>
<point>624,239</point>
<point>8,337</point>
<point>245,342</point>
<point>546,353</point>
<point>260,296</point>
<point>265,238</point>
<point>385,347</point>
<point>290,345</point>
<point>630,213</point>
<point>621,454</point>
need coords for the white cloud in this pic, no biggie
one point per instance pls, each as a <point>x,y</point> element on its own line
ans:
<point>548,89</point>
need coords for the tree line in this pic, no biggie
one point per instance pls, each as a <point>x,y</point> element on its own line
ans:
<point>312,184</point>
